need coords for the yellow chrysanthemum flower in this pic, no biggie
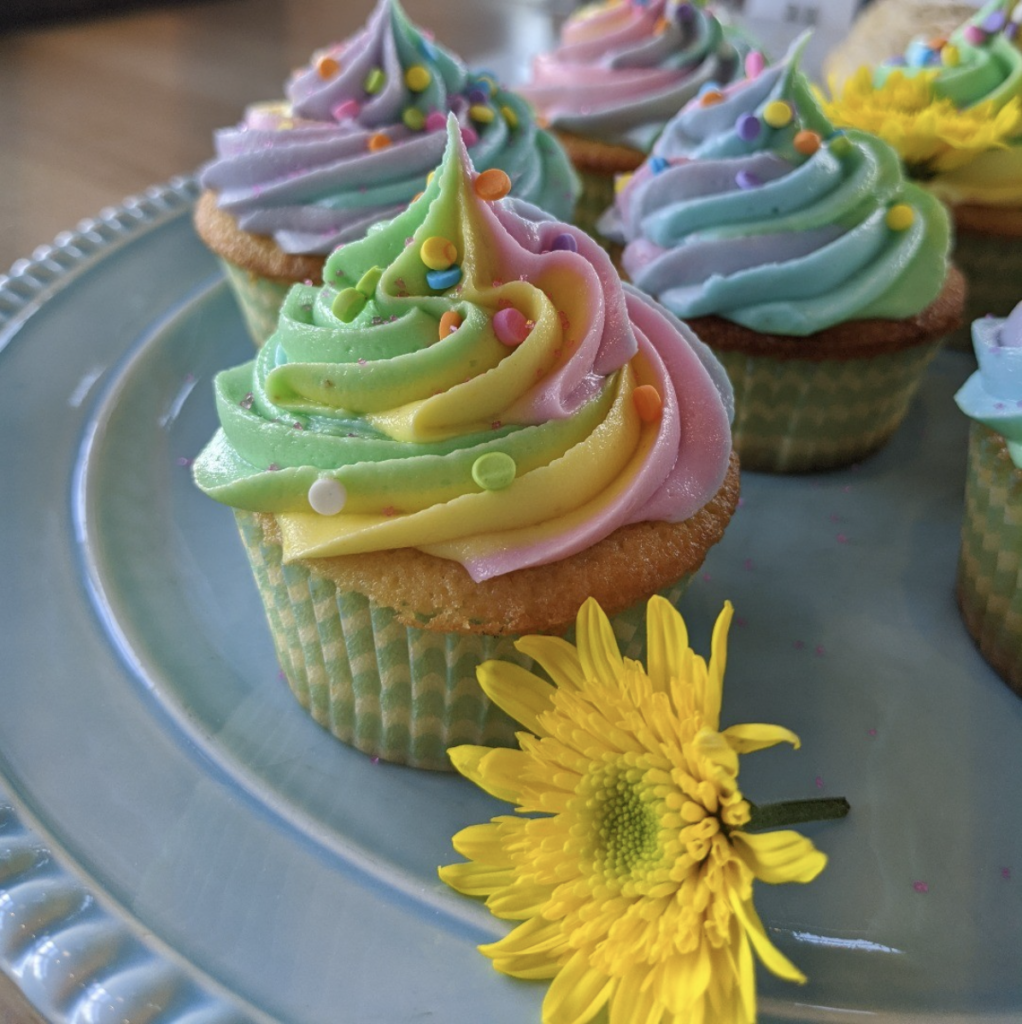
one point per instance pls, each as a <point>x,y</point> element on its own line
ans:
<point>929,132</point>
<point>634,888</point>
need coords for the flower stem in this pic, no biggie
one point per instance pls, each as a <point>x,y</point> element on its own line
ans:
<point>796,812</point>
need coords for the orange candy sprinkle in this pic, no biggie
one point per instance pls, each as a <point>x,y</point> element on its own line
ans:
<point>492,184</point>
<point>710,97</point>
<point>449,323</point>
<point>327,67</point>
<point>378,141</point>
<point>661,26</point>
<point>648,403</point>
<point>806,142</point>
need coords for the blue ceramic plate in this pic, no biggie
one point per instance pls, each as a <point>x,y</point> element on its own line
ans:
<point>181,844</point>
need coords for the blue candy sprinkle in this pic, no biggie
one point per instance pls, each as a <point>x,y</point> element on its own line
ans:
<point>428,49</point>
<point>708,87</point>
<point>441,280</point>
<point>658,164</point>
<point>280,356</point>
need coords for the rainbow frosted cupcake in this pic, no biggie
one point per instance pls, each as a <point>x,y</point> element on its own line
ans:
<point>989,586</point>
<point>362,126</point>
<point>621,71</point>
<point>801,255</point>
<point>467,431</point>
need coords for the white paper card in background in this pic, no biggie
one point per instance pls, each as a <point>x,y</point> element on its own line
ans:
<point>829,15</point>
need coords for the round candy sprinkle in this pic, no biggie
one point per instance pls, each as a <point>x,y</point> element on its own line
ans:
<point>477,95</point>
<point>748,127</point>
<point>327,496</point>
<point>661,26</point>
<point>657,164</point>
<point>441,280</point>
<point>494,471</point>
<point>648,403</point>
<point>485,84</point>
<point>900,217</point>
<point>347,109</point>
<point>838,144</point>
<point>777,114</point>
<point>754,64</point>
<point>1011,29</point>
<point>449,323</point>
<point>706,87</point>
<point>438,253</point>
<point>746,179</point>
<point>377,142</point>
<point>481,113</point>
<point>327,67</point>
<point>492,184</point>
<point>417,78</point>
<point>435,121</point>
<point>469,137</point>
<point>429,178</point>
<point>975,35</point>
<point>710,97</point>
<point>621,182</point>
<point>510,116</point>
<point>949,56</point>
<point>564,241</point>
<point>348,304</point>
<point>994,22</point>
<point>510,326</point>
<point>685,13</point>
<point>414,118</point>
<point>374,81</point>
<point>368,281</point>
<point>937,44</point>
<point>806,142</point>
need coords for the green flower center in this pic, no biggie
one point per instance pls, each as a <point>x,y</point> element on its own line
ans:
<point>628,829</point>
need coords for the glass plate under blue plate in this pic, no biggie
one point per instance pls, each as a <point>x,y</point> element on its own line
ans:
<point>181,844</point>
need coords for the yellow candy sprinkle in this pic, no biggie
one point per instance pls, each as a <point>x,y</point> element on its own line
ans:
<point>900,217</point>
<point>480,113</point>
<point>377,142</point>
<point>417,78</point>
<point>950,56</point>
<point>510,116</point>
<point>621,181</point>
<point>429,178</point>
<point>374,81</point>
<point>414,118</point>
<point>438,253</point>
<point>327,67</point>
<point>777,114</point>
<point>648,403</point>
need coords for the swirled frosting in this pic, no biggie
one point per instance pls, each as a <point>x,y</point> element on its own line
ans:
<point>993,394</point>
<point>362,127</point>
<point>624,67</point>
<point>753,208</point>
<point>558,408</point>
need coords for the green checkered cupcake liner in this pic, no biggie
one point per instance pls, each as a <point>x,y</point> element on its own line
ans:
<point>396,692</point>
<point>989,586</point>
<point>799,415</point>
<point>260,299</point>
<point>992,265</point>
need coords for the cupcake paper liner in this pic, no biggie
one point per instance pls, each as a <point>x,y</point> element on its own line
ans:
<point>260,299</point>
<point>400,693</point>
<point>989,585</point>
<point>992,265</point>
<point>596,198</point>
<point>795,415</point>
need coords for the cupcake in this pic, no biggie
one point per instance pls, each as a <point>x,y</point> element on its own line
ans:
<point>990,565</point>
<point>362,126</point>
<point>802,257</point>
<point>621,71</point>
<point>952,107</point>
<point>467,431</point>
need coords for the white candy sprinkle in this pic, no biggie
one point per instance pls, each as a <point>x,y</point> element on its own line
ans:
<point>327,496</point>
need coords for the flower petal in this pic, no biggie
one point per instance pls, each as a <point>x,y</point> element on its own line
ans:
<point>519,902</point>
<point>773,959</point>
<point>476,879</point>
<point>718,663</point>
<point>775,857</point>
<point>597,646</point>
<point>495,770</point>
<point>558,658</point>
<point>578,992</point>
<point>744,739</point>
<point>534,936</point>
<point>517,691</point>
<point>485,843</point>
<point>666,642</point>
<point>632,1004</point>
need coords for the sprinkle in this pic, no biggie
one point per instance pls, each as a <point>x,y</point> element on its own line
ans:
<point>435,121</point>
<point>565,240</point>
<point>377,142</point>
<point>327,67</point>
<point>492,184</point>
<point>621,182</point>
<point>661,26</point>
<point>994,22</point>
<point>484,84</point>
<point>711,97</point>
<point>246,402</point>
<point>748,565</point>
<point>841,539</point>
<point>1006,874</point>
<point>839,144</point>
<point>417,78</point>
<point>806,142</point>
<point>481,113</point>
<point>183,460</point>
<point>389,510</point>
<point>510,116</point>
<point>449,323</point>
<point>273,468</point>
<point>441,280</point>
<point>754,64</point>
<point>438,253</point>
<point>706,87</point>
<point>510,327</point>
<point>746,179</point>
<point>937,43</point>
<point>657,164</point>
<point>975,35</point>
<point>1011,30</point>
<point>327,496</point>
<point>496,425</point>
<point>348,304</point>
<point>414,118</point>
<point>777,114</point>
<point>469,136</point>
<point>685,13</point>
<point>648,403</point>
<point>477,95</point>
<point>871,732</point>
<point>950,56</point>
<point>900,217</point>
<point>374,81</point>
<point>819,782</point>
<point>920,887</point>
<point>747,127</point>
<point>494,471</point>
<point>429,178</point>
<point>368,281</point>
<point>819,651</point>
<point>416,197</point>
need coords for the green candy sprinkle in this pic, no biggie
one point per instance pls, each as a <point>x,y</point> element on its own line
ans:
<point>494,471</point>
<point>414,119</point>
<point>375,81</point>
<point>348,304</point>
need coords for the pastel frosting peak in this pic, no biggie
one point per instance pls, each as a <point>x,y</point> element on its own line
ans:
<point>993,394</point>
<point>362,126</point>
<point>624,67</point>
<point>752,207</point>
<point>472,380</point>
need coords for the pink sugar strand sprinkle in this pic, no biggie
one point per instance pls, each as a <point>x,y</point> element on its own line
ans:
<point>920,887</point>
